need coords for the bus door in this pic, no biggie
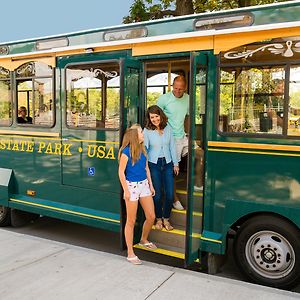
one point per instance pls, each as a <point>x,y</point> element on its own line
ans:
<point>94,90</point>
<point>131,114</point>
<point>196,185</point>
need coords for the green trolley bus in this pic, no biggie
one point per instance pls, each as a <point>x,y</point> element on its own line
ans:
<point>66,100</point>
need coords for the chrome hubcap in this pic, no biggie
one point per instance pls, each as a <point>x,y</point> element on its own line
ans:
<point>270,254</point>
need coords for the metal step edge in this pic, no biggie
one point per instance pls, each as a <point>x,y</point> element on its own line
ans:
<point>195,213</point>
<point>184,192</point>
<point>162,251</point>
<point>177,231</point>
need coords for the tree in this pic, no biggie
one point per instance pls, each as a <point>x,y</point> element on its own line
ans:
<point>144,10</point>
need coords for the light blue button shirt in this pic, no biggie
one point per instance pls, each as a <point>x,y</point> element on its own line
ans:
<point>155,144</point>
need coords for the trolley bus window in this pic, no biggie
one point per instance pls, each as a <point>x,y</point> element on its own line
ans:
<point>35,94</point>
<point>5,97</point>
<point>255,94</point>
<point>294,105</point>
<point>251,99</point>
<point>93,95</point>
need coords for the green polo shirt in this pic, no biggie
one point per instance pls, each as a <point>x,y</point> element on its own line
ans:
<point>175,109</point>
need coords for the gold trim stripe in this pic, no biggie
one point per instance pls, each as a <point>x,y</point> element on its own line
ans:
<point>30,133</point>
<point>184,192</point>
<point>252,152</point>
<point>63,210</point>
<point>179,232</point>
<point>162,251</point>
<point>211,240</point>
<point>57,139</point>
<point>30,137</point>
<point>254,146</point>
<point>92,141</point>
<point>195,213</point>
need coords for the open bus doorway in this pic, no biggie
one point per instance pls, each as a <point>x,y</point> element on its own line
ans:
<point>159,77</point>
<point>159,80</point>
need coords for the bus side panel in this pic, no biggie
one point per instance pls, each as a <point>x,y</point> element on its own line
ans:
<point>267,182</point>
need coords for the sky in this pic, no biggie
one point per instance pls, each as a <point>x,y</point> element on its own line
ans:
<point>39,18</point>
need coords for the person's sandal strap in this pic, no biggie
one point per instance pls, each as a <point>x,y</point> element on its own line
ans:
<point>134,260</point>
<point>168,226</point>
<point>159,224</point>
<point>148,245</point>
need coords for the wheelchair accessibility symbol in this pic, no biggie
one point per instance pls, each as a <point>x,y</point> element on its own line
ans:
<point>91,171</point>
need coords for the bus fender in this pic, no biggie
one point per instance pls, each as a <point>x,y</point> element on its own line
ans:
<point>5,185</point>
<point>246,209</point>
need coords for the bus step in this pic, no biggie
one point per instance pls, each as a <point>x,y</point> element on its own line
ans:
<point>173,238</point>
<point>164,250</point>
<point>178,217</point>
<point>198,199</point>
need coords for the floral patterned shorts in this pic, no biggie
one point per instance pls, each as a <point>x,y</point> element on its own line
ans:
<point>138,189</point>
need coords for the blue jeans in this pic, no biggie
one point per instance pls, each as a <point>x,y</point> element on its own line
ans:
<point>162,178</point>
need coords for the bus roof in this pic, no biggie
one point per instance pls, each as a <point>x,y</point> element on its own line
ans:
<point>249,18</point>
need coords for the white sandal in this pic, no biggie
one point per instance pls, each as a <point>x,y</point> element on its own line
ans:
<point>134,260</point>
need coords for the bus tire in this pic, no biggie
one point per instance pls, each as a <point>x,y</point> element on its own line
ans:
<point>267,251</point>
<point>4,216</point>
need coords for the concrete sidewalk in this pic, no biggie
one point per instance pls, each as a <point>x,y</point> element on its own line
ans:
<point>35,268</point>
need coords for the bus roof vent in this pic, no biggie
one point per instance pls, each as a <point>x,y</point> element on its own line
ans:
<point>125,34</point>
<point>52,43</point>
<point>217,23</point>
<point>4,50</point>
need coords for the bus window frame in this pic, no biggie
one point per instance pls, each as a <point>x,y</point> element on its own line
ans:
<point>11,93</point>
<point>121,104</point>
<point>284,135</point>
<point>53,94</point>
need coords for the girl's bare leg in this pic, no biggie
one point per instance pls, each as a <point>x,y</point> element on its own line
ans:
<point>148,207</point>
<point>131,209</point>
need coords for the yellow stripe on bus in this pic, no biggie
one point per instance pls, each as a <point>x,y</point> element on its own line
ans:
<point>211,240</point>
<point>92,141</point>
<point>252,152</point>
<point>184,192</point>
<point>195,213</point>
<point>254,146</point>
<point>40,137</point>
<point>63,210</point>
<point>31,137</point>
<point>179,232</point>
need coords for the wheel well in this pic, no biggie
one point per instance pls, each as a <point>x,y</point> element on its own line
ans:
<point>234,227</point>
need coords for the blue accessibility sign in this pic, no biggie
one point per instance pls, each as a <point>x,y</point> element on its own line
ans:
<point>91,171</point>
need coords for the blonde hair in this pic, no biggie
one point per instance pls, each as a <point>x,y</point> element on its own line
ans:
<point>131,139</point>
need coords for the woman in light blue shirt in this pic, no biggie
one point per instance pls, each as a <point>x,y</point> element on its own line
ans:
<point>162,160</point>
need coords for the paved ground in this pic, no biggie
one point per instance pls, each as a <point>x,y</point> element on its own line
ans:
<point>35,268</point>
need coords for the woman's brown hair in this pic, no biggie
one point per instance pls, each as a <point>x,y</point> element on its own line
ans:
<point>154,109</point>
<point>131,139</point>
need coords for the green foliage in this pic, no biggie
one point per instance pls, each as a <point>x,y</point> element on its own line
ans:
<point>77,102</point>
<point>5,104</point>
<point>295,99</point>
<point>143,10</point>
<point>152,98</point>
<point>137,12</point>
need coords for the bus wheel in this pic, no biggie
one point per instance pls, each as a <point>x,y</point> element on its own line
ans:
<point>4,216</point>
<point>267,251</point>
